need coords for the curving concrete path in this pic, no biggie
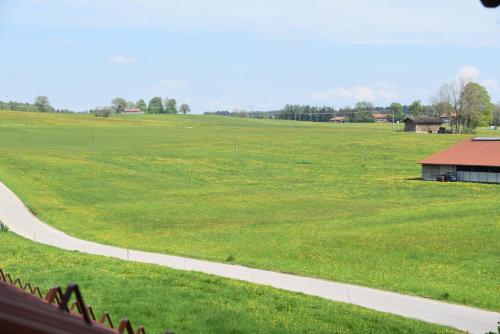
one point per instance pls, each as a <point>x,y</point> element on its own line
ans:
<point>21,221</point>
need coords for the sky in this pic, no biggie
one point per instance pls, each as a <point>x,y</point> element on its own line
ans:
<point>253,55</point>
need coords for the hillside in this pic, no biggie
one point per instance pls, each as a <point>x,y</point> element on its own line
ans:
<point>341,202</point>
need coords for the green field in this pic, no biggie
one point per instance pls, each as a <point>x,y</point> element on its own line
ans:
<point>161,298</point>
<point>340,202</point>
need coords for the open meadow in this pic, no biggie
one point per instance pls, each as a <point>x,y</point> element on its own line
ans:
<point>336,201</point>
<point>161,298</point>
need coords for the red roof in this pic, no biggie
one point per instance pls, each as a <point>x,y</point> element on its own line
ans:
<point>132,110</point>
<point>471,152</point>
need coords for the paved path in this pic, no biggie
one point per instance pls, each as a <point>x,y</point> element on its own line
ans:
<point>19,219</point>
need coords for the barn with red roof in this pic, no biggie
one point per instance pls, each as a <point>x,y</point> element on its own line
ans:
<point>472,160</point>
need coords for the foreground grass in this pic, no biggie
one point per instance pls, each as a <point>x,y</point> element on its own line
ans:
<point>339,202</point>
<point>161,298</point>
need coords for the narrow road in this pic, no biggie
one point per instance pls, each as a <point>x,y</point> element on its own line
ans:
<point>21,221</point>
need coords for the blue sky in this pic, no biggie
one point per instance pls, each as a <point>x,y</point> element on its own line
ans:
<point>259,55</point>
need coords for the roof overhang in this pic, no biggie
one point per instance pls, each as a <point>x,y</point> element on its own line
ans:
<point>484,152</point>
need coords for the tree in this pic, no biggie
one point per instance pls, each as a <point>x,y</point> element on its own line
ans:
<point>42,104</point>
<point>398,111</point>
<point>119,104</point>
<point>496,115</point>
<point>102,112</point>
<point>184,108</point>
<point>171,106</point>
<point>141,105</point>
<point>477,109</point>
<point>443,109</point>
<point>467,103</point>
<point>362,113</point>
<point>155,105</point>
<point>416,108</point>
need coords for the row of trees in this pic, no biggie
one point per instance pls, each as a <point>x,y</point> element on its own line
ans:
<point>361,112</point>
<point>118,105</point>
<point>156,106</point>
<point>40,104</point>
<point>465,103</point>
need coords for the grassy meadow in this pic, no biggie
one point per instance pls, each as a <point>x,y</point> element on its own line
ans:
<point>341,202</point>
<point>161,298</point>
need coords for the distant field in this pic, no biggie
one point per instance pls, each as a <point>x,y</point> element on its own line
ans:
<point>340,202</point>
<point>161,298</point>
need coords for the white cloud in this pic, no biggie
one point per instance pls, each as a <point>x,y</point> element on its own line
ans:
<point>121,60</point>
<point>491,85</point>
<point>468,73</point>
<point>359,93</point>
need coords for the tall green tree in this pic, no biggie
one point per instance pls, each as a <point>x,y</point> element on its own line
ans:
<point>416,108</point>
<point>171,106</point>
<point>155,105</point>
<point>469,102</point>
<point>184,108</point>
<point>141,105</point>
<point>477,106</point>
<point>496,115</point>
<point>42,104</point>
<point>119,104</point>
<point>398,111</point>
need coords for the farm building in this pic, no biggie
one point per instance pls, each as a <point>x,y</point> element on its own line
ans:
<point>447,118</point>
<point>380,118</point>
<point>338,119</point>
<point>423,124</point>
<point>472,160</point>
<point>133,111</point>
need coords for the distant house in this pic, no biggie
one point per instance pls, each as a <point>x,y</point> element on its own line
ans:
<point>380,118</point>
<point>132,111</point>
<point>472,160</point>
<point>423,124</point>
<point>338,119</point>
<point>446,118</point>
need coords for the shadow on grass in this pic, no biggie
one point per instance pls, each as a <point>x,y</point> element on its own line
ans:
<point>414,179</point>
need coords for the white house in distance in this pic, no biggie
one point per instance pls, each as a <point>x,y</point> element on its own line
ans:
<point>472,160</point>
<point>132,111</point>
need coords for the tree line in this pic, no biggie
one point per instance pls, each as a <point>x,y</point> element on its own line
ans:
<point>362,112</point>
<point>118,105</point>
<point>40,104</point>
<point>465,104</point>
<point>156,105</point>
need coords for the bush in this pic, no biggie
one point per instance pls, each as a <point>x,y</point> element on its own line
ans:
<point>103,112</point>
<point>3,227</point>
